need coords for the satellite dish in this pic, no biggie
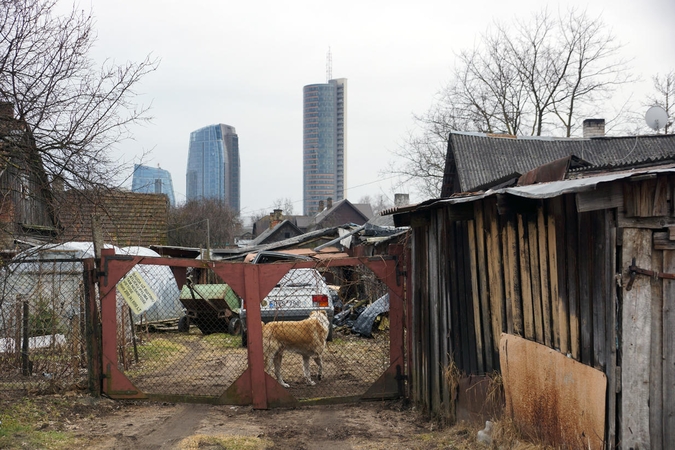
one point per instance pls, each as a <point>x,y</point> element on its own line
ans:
<point>656,117</point>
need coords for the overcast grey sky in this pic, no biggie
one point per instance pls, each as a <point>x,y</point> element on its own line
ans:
<point>244,63</point>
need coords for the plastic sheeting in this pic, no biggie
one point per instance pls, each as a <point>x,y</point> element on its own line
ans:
<point>364,323</point>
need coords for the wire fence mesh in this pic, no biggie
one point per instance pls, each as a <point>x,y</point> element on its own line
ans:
<point>42,325</point>
<point>193,341</point>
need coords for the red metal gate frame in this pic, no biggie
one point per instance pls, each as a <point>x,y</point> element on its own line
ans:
<point>252,282</point>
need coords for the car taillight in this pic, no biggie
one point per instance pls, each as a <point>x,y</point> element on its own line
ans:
<point>320,300</point>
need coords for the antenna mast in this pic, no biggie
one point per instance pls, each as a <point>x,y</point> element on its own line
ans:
<point>329,66</point>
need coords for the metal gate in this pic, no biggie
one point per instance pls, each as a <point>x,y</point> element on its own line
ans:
<point>193,345</point>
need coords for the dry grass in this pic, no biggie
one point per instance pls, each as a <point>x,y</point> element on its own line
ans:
<point>452,376</point>
<point>224,442</point>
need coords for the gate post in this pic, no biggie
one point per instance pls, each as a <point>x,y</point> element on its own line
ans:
<point>92,329</point>
<point>255,346</point>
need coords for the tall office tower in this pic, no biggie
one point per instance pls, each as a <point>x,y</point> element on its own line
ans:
<point>213,165</point>
<point>324,147</point>
<point>153,180</point>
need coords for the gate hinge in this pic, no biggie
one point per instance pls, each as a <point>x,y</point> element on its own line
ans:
<point>635,270</point>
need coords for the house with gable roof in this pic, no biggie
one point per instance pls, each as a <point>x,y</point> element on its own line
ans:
<point>550,262</point>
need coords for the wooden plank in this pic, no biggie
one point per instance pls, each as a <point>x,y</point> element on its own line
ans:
<point>465,292</point>
<point>585,287</point>
<point>494,275</point>
<point>553,277</point>
<point>668,349</point>
<point>572,252</point>
<point>624,221</point>
<point>610,336</point>
<point>444,320</point>
<point>662,241</point>
<point>660,201</point>
<point>605,196</point>
<point>555,398</point>
<point>599,285</point>
<point>532,236</point>
<point>435,368</point>
<point>483,286</point>
<point>656,356</point>
<point>512,250</point>
<point>507,270</point>
<point>526,283</point>
<point>542,242</point>
<point>557,216</point>
<point>671,233</point>
<point>475,294</point>
<point>456,307</point>
<point>635,342</point>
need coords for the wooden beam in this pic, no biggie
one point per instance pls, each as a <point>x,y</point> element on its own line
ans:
<point>636,336</point>
<point>483,286</point>
<point>544,276</point>
<point>475,295</point>
<point>656,393</point>
<point>668,325</point>
<point>526,283</point>
<point>605,196</point>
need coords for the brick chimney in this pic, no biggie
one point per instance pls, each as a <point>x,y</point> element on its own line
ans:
<point>401,199</point>
<point>594,128</point>
<point>320,206</point>
<point>329,202</point>
<point>275,218</point>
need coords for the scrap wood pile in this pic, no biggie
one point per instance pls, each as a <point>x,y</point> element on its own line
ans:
<point>363,316</point>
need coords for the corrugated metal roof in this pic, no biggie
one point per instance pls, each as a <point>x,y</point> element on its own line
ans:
<point>537,191</point>
<point>481,160</point>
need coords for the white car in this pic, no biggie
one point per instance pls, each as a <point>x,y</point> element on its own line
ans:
<point>297,294</point>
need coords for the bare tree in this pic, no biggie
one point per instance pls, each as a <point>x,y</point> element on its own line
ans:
<point>284,204</point>
<point>378,203</point>
<point>534,76</point>
<point>202,223</point>
<point>72,111</point>
<point>664,96</point>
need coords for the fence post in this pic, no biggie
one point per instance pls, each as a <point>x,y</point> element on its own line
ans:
<point>92,330</point>
<point>25,363</point>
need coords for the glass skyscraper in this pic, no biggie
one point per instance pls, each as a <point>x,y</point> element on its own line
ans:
<point>213,165</point>
<point>153,180</point>
<point>324,145</point>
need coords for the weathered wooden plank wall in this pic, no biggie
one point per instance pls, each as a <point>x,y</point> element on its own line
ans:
<point>546,271</point>
<point>535,270</point>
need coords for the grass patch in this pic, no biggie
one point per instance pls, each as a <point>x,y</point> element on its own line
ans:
<point>224,442</point>
<point>24,425</point>
<point>222,340</point>
<point>160,349</point>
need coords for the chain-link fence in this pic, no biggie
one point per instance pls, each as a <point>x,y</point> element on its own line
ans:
<point>186,342</point>
<point>42,324</point>
<point>193,340</point>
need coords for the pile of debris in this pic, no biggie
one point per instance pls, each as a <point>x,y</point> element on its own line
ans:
<point>361,318</point>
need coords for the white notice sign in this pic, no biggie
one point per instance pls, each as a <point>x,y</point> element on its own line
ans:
<point>137,293</point>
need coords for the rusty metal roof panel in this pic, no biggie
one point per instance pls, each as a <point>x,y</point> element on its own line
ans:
<point>538,191</point>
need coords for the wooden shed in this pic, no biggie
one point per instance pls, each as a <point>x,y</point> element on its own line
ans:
<point>582,268</point>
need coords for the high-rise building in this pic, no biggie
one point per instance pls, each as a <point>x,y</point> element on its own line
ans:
<point>324,147</point>
<point>153,180</point>
<point>213,165</point>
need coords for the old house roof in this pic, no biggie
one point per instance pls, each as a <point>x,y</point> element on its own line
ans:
<point>127,218</point>
<point>343,212</point>
<point>476,161</point>
<point>277,233</point>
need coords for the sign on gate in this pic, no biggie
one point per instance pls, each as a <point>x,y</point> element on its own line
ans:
<point>137,293</point>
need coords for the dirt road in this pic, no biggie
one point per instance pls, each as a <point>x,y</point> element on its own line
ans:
<point>376,425</point>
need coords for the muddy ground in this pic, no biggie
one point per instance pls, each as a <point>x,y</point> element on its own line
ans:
<point>108,424</point>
